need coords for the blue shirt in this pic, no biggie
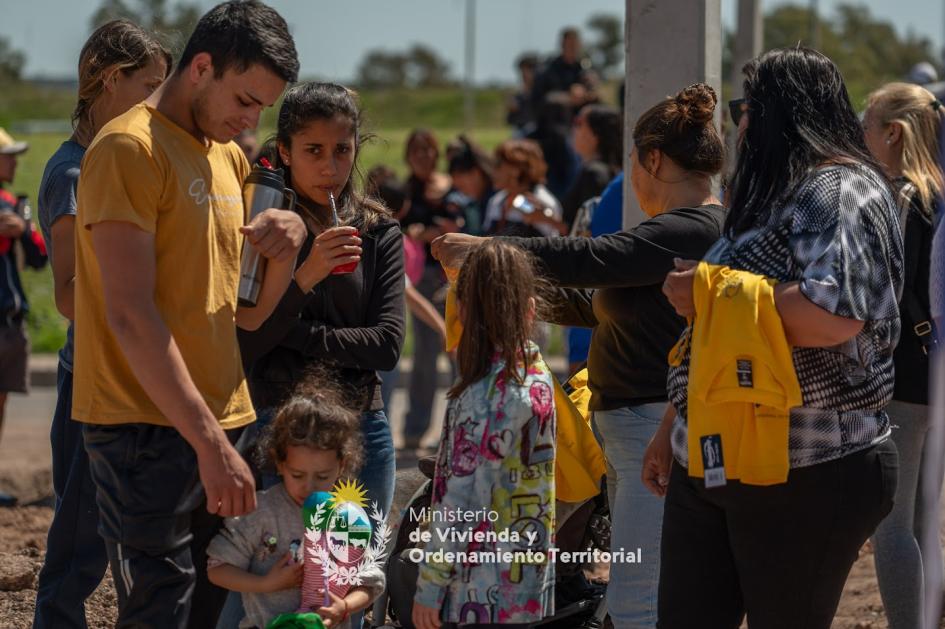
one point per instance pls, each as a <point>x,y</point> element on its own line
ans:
<point>608,217</point>
<point>57,199</point>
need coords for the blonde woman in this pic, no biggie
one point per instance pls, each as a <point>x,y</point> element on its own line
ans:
<point>902,124</point>
<point>119,66</point>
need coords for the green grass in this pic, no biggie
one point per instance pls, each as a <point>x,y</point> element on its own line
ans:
<point>24,101</point>
<point>389,116</point>
<point>48,328</point>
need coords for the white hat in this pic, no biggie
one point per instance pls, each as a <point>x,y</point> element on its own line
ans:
<point>9,146</point>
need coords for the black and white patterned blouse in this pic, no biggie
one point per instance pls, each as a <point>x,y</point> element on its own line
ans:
<point>839,237</point>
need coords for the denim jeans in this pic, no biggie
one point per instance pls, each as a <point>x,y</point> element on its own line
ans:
<point>380,465</point>
<point>377,475</point>
<point>900,567</point>
<point>379,470</point>
<point>75,553</point>
<point>389,381</point>
<point>636,515</point>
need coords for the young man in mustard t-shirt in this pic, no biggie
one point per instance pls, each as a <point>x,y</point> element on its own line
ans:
<point>159,384</point>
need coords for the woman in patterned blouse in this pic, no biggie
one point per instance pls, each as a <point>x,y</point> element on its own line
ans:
<point>812,210</point>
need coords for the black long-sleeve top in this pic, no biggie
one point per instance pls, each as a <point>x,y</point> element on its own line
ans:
<point>911,363</point>
<point>590,182</point>
<point>613,284</point>
<point>352,323</point>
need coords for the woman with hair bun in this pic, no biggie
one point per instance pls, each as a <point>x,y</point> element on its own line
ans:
<point>612,284</point>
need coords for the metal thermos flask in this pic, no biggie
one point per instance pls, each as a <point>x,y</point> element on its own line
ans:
<point>264,188</point>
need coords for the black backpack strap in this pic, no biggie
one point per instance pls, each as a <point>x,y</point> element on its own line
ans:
<point>923,326</point>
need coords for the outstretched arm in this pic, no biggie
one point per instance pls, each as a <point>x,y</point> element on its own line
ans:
<point>127,260</point>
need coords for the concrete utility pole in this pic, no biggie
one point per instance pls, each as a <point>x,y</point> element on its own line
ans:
<point>814,24</point>
<point>749,39</point>
<point>669,44</point>
<point>469,104</point>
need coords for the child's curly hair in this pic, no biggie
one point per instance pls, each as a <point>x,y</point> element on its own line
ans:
<point>316,415</point>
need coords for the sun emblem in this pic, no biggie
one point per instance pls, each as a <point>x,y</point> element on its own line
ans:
<point>343,541</point>
<point>349,491</point>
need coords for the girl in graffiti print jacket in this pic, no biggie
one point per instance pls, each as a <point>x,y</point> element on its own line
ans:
<point>493,499</point>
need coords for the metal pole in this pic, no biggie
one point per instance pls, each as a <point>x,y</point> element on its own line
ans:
<point>815,24</point>
<point>749,39</point>
<point>469,104</point>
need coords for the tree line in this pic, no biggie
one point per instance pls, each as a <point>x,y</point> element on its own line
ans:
<point>867,49</point>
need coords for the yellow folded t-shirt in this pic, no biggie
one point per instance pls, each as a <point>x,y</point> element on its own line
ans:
<point>742,382</point>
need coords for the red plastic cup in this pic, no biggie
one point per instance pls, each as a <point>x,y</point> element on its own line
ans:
<point>343,269</point>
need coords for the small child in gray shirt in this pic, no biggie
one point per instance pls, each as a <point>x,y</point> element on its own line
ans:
<point>313,441</point>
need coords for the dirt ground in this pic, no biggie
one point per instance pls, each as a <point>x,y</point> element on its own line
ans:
<point>23,541</point>
<point>25,472</point>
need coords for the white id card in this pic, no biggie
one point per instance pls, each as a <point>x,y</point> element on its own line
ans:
<point>712,462</point>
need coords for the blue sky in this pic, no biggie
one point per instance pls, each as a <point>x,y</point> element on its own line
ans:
<point>332,35</point>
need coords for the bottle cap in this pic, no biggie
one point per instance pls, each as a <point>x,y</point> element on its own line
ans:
<point>265,177</point>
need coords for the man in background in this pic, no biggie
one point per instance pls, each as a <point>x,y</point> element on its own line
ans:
<point>15,229</point>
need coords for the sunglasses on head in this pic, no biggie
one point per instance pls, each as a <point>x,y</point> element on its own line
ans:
<point>736,108</point>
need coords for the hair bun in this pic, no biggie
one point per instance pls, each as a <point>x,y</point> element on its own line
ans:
<point>696,104</point>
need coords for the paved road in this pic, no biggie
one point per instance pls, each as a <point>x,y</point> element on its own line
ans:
<point>25,459</point>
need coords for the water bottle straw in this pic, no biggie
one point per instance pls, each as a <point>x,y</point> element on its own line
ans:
<point>334,209</point>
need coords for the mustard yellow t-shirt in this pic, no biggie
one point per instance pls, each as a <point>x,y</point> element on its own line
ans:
<point>145,170</point>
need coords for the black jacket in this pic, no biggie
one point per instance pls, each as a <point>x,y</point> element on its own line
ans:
<point>590,182</point>
<point>558,76</point>
<point>911,363</point>
<point>613,284</point>
<point>13,304</point>
<point>352,323</point>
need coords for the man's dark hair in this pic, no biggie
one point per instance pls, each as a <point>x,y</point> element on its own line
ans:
<point>568,31</point>
<point>527,60</point>
<point>241,33</point>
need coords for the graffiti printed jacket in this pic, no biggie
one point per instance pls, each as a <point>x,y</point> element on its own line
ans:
<point>493,502</point>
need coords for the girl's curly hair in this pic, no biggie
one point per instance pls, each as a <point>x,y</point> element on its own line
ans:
<point>316,415</point>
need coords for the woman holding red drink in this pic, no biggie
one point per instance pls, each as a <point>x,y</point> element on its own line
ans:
<point>345,307</point>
